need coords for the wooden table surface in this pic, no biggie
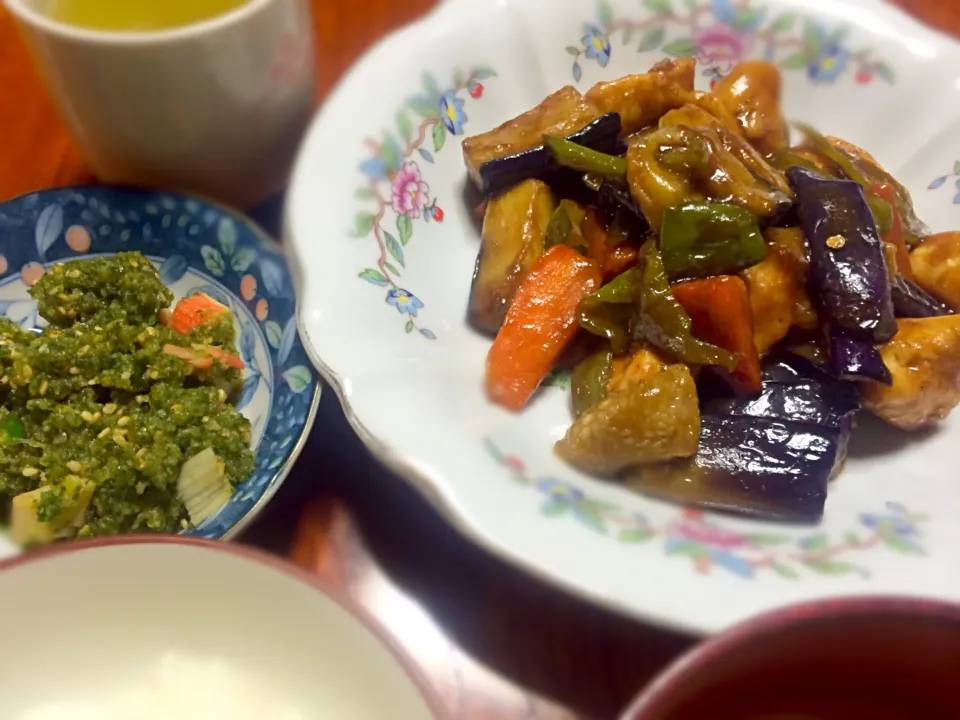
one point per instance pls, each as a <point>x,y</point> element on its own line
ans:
<point>494,642</point>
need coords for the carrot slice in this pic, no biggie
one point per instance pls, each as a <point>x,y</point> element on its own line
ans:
<point>224,357</point>
<point>196,310</point>
<point>596,237</point>
<point>541,321</point>
<point>719,308</point>
<point>620,259</point>
<point>885,191</point>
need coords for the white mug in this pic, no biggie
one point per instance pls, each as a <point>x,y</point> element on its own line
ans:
<point>216,108</point>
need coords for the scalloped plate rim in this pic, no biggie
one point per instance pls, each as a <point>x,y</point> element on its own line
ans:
<point>433,486</point>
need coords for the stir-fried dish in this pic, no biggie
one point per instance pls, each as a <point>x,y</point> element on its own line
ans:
<point>727,300</point>
<point>116,418</point>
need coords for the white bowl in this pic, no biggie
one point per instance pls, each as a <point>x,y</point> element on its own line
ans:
<point>409,371</point>
<point>88,621</point>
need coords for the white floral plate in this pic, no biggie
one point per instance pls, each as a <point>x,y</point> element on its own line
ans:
<point>384,249</point>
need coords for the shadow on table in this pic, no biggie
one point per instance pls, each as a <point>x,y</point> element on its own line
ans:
<point>554,645</point>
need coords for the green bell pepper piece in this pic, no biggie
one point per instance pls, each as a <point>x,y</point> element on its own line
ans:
<point>825,148</point>
<point>588,383</point>
<point>786,159</point>
<point>581,158</point>
<point>662,321</point>
<point>564,226</point>
<point>882,213</point>
<point>609,311</point>
<point>619,231</point>
<point>703,239</point>
<point>11,429</point>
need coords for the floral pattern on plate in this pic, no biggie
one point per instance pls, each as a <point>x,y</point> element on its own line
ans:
<point>197,247</point>
<point>943,179</point>
<point>708,544</point>
<point>395,184</point>
<point>721,33</point>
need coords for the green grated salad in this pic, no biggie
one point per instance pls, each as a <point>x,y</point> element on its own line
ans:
<point>117,417</point>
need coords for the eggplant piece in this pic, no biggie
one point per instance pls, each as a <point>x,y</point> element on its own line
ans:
<point>613,197</point>
<point>853,358</point>
<point>806,401</point>
<point>848,269</point>
<point>912,301</point>
<point>765,468</point>
<point>514,230</point>
<point>562,113</point>
<point>787,366</point>
<point>498,174</point>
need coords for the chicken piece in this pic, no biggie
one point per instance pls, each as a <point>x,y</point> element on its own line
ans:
<point>777,287</point>
<point>751,93</point>
<point>640,100</point>
<point>640,365</point>
<point>936,267</point>
<point>690,115</point>
<point>674,165</point>
<point>924,360</point>
<point>562,113</point>
<point>654,421</point>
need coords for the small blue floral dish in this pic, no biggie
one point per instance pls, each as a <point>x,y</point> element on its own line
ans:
<point>197,247</point>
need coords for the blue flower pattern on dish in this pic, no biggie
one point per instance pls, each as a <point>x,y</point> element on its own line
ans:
<point>596,44</point>
<point>197,247</point>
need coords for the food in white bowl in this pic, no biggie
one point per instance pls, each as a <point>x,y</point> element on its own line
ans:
<point>384,292</point>
<point>172,627</point>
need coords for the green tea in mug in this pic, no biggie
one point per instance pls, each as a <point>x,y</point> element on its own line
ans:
<point>133,15</point>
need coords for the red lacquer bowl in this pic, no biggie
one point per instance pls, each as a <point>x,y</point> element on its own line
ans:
<point>868,658</point>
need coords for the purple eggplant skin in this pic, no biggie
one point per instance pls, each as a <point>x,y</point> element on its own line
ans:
<point>848,270</point>
<point>804,401</point>
<point>764,468</point>
<point>853,358</point>
<point>614,196</point>
<point>503,173</point>
<point>788,367</point>
<point>912,301</point>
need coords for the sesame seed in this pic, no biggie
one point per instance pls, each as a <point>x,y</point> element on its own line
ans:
<point>123,421</point>
<point>109,409</point>
<point>74,466</point>
<point>119,438</point>
<point>29,471</point>
<point>104,432</point>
